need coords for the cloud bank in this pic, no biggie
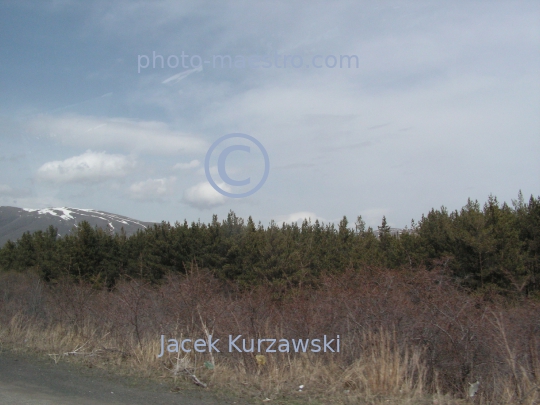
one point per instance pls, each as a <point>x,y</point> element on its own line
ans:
<point>91,167</point>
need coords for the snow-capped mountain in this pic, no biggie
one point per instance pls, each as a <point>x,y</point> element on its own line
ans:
<point>14,222</point>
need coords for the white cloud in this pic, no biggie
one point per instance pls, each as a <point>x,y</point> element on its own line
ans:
<point>88,167</point>
<point>203,195</point>
<point>185,166</point>
<point>152,189</point>
<point>182,75</point>
<point>299,217</point>
<point>148,137</point>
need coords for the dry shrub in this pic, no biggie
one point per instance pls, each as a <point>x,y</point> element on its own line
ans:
<point>407,336</point>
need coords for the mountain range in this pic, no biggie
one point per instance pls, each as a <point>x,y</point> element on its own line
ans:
<point>14,222</point>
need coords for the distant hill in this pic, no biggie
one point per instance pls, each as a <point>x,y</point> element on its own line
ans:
<point>14,222</point>
<point>393,232</point>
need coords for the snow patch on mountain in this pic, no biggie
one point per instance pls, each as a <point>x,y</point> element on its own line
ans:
<point>66,214</point>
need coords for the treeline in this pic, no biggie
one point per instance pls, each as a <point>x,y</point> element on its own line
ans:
<point>495,247</point>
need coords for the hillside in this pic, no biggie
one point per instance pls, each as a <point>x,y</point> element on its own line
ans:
<point>14,222</point>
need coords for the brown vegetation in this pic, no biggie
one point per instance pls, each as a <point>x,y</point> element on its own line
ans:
<point>408,337</point>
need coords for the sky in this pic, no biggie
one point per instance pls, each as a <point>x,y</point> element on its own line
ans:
<point>386,108</point>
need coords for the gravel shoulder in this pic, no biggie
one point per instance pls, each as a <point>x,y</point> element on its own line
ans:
<point>30,380</point>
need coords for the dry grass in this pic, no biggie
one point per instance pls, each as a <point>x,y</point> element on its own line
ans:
<point>406,338</point>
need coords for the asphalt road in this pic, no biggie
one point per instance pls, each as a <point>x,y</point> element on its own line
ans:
<point>27,380</point>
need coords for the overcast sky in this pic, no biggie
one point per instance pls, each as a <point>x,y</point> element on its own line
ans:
<point>443,104</point>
